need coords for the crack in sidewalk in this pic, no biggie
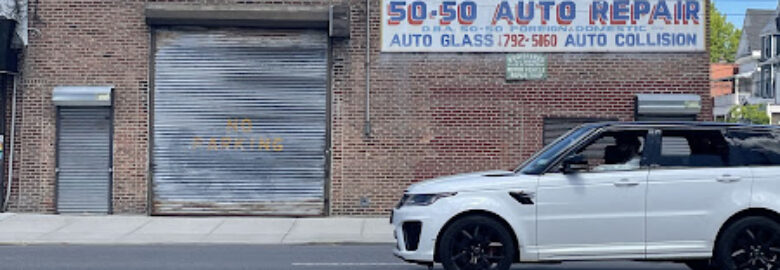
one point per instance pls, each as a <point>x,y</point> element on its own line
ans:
<point>284,238</point>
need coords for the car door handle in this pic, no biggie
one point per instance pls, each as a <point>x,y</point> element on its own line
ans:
<point>729,179</point>
<point>626,183</point>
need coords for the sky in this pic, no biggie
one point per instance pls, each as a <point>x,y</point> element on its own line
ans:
<point>735,9</point>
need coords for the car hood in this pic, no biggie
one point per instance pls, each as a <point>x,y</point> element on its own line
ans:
<point>486,180</point>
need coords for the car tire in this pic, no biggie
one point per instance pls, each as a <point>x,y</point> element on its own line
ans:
<point>700,265</point>
<point>477,242</point>
<point>750,243</point>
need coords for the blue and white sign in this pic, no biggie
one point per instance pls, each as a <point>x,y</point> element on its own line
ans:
<point>543,26</point>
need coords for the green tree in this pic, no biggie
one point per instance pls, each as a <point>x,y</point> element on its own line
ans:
<point>753,114</point>
<point>724,37</point>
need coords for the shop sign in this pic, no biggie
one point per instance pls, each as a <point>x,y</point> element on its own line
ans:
<point>543,26</point>
<point>526,66</point>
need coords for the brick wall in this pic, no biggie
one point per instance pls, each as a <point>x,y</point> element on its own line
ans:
<point>721,70</point>
<point>432,114</point>
<point>440,114</point>
<point>83,43</point>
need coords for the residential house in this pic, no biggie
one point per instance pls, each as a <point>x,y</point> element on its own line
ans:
<point>748,87</point>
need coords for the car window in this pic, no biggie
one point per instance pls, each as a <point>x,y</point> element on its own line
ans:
<point>613,151</point>
<point>755,147</point>
<point>537,163</point>
<point>693,148</point>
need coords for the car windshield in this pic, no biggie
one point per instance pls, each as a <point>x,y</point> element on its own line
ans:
<point>538,162</point>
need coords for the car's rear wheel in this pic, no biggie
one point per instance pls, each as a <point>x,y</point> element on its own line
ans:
<point>748,244</point>
<point>476,243</point>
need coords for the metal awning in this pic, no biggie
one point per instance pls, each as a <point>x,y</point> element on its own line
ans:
<point>82,95</point>
<point>668,104</point>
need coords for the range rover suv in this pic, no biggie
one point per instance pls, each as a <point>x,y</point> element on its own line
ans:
<point>703,194</point>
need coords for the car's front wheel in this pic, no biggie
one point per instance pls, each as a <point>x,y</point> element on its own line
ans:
<point>478,243</point>
<point>750,243</point>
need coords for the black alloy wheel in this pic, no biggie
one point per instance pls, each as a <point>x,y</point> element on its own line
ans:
<point>477,243</point>
<point>752,243</point>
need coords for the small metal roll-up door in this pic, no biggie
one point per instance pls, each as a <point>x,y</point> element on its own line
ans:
<point>84,160</point>
<point>239,122</point>
<point>554,127</point>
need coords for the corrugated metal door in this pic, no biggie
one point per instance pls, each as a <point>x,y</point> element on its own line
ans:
<point>239,122</point>
<point>84,160</point>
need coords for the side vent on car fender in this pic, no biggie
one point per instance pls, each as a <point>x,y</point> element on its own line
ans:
<point>522,197</point>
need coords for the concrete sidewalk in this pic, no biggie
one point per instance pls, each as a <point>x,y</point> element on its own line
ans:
<point>116,229</point>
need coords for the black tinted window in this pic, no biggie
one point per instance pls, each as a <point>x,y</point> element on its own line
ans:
<point>693,148</point>
<point>755,147</point>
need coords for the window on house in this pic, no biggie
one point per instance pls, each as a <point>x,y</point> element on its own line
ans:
<point>766,47</point>
<point>770,85</point>
<point>775,72</point>
<point>756,83</point>
<point>777,45</point>
<point>763,48</point>
<point>766,87</point>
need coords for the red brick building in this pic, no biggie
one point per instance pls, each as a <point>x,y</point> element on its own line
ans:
<point>191,152</point>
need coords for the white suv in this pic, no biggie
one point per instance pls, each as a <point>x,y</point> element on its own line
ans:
<point>706,194</point>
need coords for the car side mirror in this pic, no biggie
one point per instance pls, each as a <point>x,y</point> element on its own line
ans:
<point>575,163</point>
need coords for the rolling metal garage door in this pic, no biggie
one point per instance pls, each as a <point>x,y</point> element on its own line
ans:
<point>239,122</point>
<point>84,160</point>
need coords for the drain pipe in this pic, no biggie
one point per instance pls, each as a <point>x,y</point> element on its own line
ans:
<point>11,143</point>
<point>368,70</point>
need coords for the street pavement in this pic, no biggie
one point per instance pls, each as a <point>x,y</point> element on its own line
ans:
<point>134,230</point>
<point>37,241</point>
<point>260,257</point>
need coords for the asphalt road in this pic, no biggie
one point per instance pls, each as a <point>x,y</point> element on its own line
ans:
<point>277,257</point>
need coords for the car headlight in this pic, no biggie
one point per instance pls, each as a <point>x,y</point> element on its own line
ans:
<point>422,199</point>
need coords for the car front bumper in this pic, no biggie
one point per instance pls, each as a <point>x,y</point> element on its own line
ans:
<point>431,219</point>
